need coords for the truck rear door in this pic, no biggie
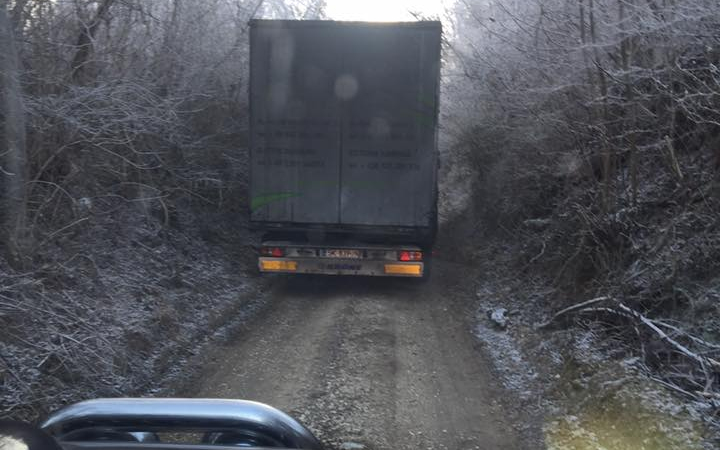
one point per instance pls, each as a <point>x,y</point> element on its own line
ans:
<point>388,126</point>
<point>295,127</point>
<point>343,122</point>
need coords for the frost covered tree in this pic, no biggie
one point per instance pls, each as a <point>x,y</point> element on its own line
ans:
<point>593,132</point>
<point>13,158</point>
<point>130,101</point>
<point>590,89</point>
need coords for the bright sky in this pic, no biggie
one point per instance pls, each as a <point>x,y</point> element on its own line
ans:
<point>383,10</point>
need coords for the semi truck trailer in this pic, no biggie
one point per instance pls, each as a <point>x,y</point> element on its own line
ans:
<point>343,145</point>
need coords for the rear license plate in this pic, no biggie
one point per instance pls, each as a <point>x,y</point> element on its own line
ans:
<point>343,253</point>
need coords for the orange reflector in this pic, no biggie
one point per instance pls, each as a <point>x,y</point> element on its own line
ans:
<point>278,265</point>
<point>403,269</point>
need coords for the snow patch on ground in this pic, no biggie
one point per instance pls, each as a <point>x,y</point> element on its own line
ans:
<point>581,385</point>
<point>517,374</point>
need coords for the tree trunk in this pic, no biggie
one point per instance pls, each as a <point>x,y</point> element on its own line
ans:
<point>606,152</point>
<point>13,159</point>
<point>584,42</point>
<point>86,38</point>
<point>17,17</point>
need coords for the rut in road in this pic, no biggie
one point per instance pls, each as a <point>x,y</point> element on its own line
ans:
<point>386,363</point>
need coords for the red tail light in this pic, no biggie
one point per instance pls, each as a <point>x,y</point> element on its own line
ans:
<point>409,256</point>
<point>276,252</point>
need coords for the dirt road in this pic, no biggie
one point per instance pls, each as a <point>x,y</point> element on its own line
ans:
<point>387,364</point>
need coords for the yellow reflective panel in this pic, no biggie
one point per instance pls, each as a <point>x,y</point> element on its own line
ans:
<point>278,265</point>
<point>403,269</point>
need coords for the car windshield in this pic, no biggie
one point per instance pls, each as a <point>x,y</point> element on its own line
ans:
<point>406,224</point>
